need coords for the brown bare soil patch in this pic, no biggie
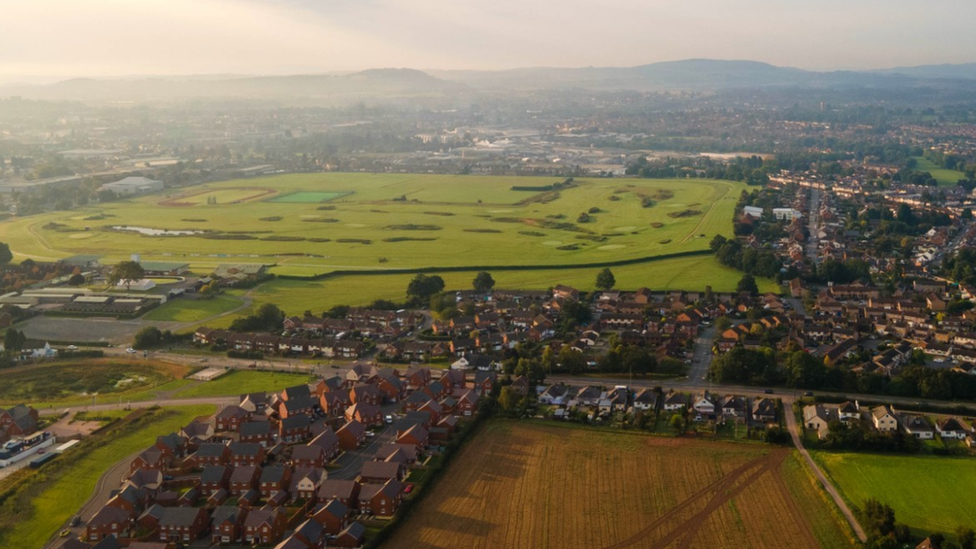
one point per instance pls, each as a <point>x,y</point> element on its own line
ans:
<point>539,485</point>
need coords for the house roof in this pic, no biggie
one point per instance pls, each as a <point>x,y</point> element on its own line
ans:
<point>179,516</point>
<point>380,469</point>
<point>334,488</point>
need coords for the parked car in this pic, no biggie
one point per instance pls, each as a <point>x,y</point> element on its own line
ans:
<point>131,351</point>
<point>388,419</point>
<point>408,489</point>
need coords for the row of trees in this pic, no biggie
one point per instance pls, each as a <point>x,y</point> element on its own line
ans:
<point>732,253</point>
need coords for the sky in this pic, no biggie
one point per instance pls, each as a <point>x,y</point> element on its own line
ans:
<point>45,38</point>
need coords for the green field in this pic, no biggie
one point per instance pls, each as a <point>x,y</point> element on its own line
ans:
<point>946,178</point>
<point>41,511</point>
<point>928,493</point>
<point>240,382</point>
<point>297,296</point>
<point>193,310</point>
<point>392,221</point>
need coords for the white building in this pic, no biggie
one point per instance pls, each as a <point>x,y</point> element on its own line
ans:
<point>786,213</point>
<point>132,186</point>
<point>753,211</point>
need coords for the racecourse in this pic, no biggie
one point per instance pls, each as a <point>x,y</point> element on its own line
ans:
<point>316,223</point>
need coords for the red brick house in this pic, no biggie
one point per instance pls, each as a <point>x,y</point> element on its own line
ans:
<point>381,471</point>
<point>333,516</point>
<point>308,456</point>
<point>353,536</point>
<point>265,526</point>
<point>243,479</point>
<point>183,524</point>
<point>351,435</point>
<point>382,500</point>
<point>151,458</point>
<point>467,403</point>
<point>231,417</point>
<point>415,435</point>
<point>210,453</point>
<point>346,491</point>
<point>108,521</point>
<point>334,402</point>
<point>294,429</point>
<point>367,414</point>
<point>274,479</point>
<point>366,394</point>
<point>328,441</point>
<point>227,524</point>
<point>246,453</point>
<point>214,478</point>
<point>256,432</point>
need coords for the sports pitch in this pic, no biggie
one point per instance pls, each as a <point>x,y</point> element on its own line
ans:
<point>393,221</point>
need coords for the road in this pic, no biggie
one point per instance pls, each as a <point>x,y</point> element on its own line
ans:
<point>813,244</point>
<point>701,359</point>
<point>796,433</point>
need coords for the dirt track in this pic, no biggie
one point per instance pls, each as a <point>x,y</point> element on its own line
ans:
<point>721,492</point>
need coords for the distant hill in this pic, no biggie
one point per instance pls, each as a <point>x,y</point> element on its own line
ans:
<point>374,82</point>
<point>966,71</point>
<point>692,74</point>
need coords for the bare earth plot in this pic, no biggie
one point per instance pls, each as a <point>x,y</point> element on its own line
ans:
<point>536,485</point>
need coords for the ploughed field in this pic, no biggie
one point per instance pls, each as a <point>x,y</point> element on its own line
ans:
<point>315,223</point>
<point>534,485</point>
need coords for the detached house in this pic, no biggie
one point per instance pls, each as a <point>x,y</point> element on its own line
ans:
<point>884,419</point>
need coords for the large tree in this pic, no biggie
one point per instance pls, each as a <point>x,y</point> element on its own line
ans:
<point>605,279</point>
<point>483,282</point>
<point>5,255</point>
<point>126,272</point>
<point>423,287</point>
<point>748,284</point>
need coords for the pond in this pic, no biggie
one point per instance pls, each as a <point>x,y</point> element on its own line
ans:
<point>156,232</point>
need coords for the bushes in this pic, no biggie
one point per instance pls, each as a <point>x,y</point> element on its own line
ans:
<point>151,337</point>
<point>247,355</point>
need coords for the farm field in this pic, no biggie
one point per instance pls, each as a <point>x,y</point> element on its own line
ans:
<point>922,497</point>
<point>946,178</point>
<point>193,310</point>
<point>391,221</point>
<point>70,480</point>
<point>242,381</point>
<point>106,380</point>
<point>538,485</point>
<point>686,273</point>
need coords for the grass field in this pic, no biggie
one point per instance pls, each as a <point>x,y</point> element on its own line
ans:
<point>946,178</point>
<point>66,487</point>
<point>928,493</point>
<point>537,485</point>
<point>240,382</point>
<point>193,310</point>
<point>689,273</point>
<point>107,380</point>
<point>392,221</point>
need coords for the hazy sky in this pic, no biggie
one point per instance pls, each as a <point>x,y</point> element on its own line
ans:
<point>120,37</point>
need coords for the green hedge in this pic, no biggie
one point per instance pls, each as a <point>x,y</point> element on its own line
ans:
<point>466,268</point>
